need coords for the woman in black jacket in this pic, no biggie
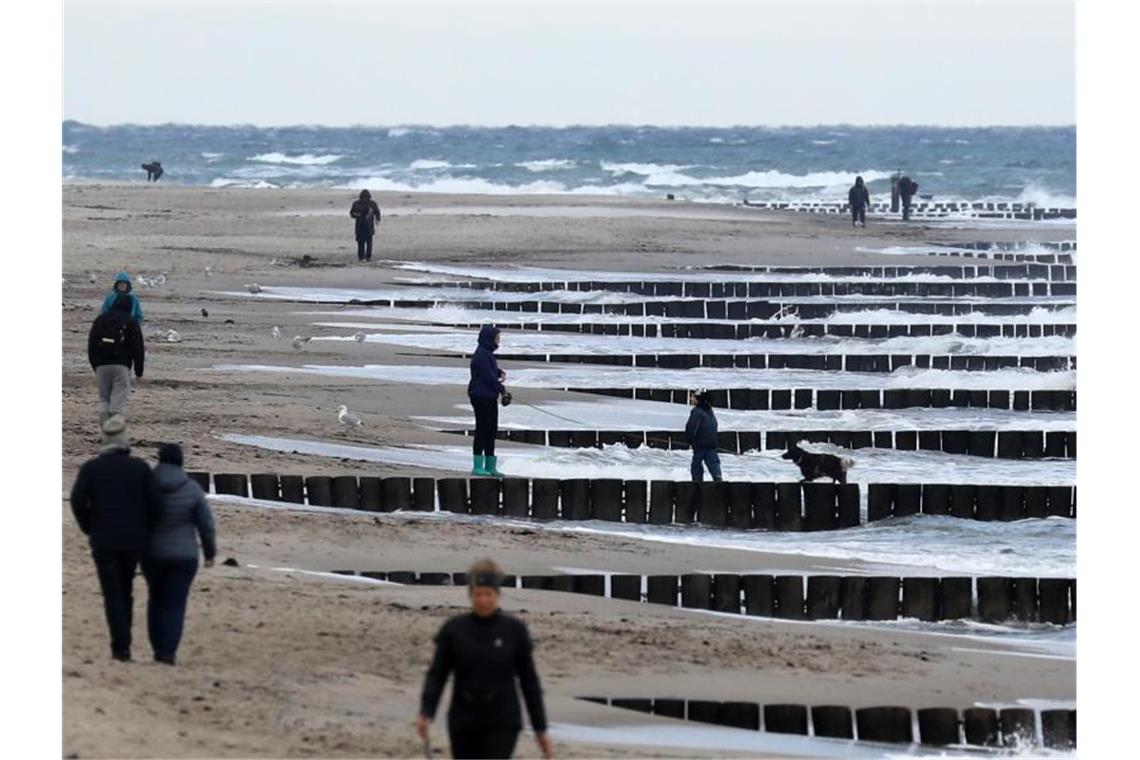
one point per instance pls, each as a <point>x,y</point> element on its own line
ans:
<point>701,430</point>
<point>487,649</point>
<point>366,213</point>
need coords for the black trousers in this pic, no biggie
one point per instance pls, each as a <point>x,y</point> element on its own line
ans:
<point>168,583</point>
<point>496,743</point>
<point>906,209</point>
<point>859,215</point>
<point>486,425</point>
<point>116,572</point>
<point>364,248</point>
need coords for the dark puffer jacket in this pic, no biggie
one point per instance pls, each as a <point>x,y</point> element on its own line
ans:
<point>130,351</point>
<point>113,500</point>
<point>701,429</point>
<point>182,511</point>
<point>485,378</point>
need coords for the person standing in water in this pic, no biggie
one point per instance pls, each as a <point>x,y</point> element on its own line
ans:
<point>487,650</point>
<point>701,431</point>
<point>484,390</point>
<point>366,213</point>
<point>859,200</point>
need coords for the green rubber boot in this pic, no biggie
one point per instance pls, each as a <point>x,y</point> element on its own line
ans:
<point>491,469</point>
<point>480,466</point>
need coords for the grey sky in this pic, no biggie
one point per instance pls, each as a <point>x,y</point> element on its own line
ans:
<point>277,63</point>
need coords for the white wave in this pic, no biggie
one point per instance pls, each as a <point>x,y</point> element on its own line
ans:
<point>947,161</point>
<point>547,164</point>
<point>69,149</point>
<point>305,159</point>
<point>398,131</point>
<point>422,164</point>
<point>1043,198</point>
<point>716,140</point>
<point>211,156</point>
<point>231,182</point>
<point>823,142</point>
<point>648,170</point>
<point>769,179</point>
<point>459,185</point>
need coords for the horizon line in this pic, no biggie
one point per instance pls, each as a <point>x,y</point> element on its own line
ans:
<point>577,125</point>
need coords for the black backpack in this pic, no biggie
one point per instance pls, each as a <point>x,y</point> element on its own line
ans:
<point>110,336</point>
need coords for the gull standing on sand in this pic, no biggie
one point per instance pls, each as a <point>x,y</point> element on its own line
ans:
<point>253,288</point>
<point>91,277</point>
<point>359,337</point>
<point>209,273</point>
<point>276,332</point>
<point>172,336</point>
<point>299,342</point>
<point>347,418</point>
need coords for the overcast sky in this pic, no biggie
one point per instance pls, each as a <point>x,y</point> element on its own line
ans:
<point>710,64</point>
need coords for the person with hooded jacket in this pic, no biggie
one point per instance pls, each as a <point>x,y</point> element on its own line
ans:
<point>171,559</point>
<point>123,286</point>
<point>113,499</point>
<point>114,346</point>
<point>859,199</point>
<point>701,432</point>
<point>484,389</point>
<point>366,213</point>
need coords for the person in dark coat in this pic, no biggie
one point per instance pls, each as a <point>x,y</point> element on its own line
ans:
<point>153,171</point>
<point>366,213</point>
<point>112,499</point>
<point>487,650</point>
<point>484,390</point>
<point>701,432</point>
<point>907,189</point>
<point>859,199</point>
<point>115,346</point>
<point>171,560</point>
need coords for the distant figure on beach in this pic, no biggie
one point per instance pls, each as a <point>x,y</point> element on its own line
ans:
<point>487,650</point>
<point>907,190</point>
<point>153,171</point>
<point>366,213</point>
<point>114,347</point>
<point>111,499</point>
<point>181,517</point>
<point>484,390</point>
<point>859,200</point>
<point>122,286</point>
<point>701,432</point>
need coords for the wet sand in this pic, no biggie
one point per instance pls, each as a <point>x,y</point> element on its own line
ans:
<point>278,663</point>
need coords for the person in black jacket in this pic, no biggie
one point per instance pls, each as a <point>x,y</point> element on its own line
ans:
<point>907,189</point>
<point>701,431</point>
<point>112,500</point>
<point>171,560</point>
<point>487,649</point>
<point>114,346</point>
<point>484,389</point>
<point>859,199</point>
<point>366,213</point>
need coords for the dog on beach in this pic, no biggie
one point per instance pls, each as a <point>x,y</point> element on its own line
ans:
<point>814,466</point>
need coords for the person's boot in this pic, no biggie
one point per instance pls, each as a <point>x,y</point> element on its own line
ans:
<point>491,469</point>
<point>480,468</point>
<point>103,417</point>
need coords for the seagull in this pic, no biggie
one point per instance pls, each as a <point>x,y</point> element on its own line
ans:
<point>253,288</point>
<point>359,337</point>
<point>299,342</point>
<point>91,277</point>
<point>347,418</point>
<point>797,332</point>
<point>205,313</point>
<point>276,331</point>
<point>172,336</point>
<point>160,280</point>
<point>209,273</point>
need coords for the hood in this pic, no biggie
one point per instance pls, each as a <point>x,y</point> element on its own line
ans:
<point>124,277</point>
<point>487,337</point>
<point>170,477</point>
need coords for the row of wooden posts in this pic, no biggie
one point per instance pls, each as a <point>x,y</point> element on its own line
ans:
<point>1010,727</point>
<point>780,330</point>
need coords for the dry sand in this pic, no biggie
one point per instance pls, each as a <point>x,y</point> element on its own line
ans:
<point>278,663</point>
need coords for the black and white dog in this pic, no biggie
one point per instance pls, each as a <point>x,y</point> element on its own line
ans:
<point>814,466</point>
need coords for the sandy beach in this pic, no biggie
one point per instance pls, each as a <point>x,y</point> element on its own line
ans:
<point>281,660</point>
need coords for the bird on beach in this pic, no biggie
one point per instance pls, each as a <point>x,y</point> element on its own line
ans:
<point>205,313</point>
<point>359,337</point>
<point>347,418</point>
<point>91,277</point>
<point>299,342</point>
<point>172,336</point>
<point>209,273</point>
<point>276,332</point>
<point>253,288</point>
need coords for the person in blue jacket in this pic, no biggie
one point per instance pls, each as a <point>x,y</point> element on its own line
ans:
<point>701,431</point>
<point>484,389</point>
<point>122,286</point>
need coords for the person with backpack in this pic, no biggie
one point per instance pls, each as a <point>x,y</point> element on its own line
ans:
<point>859,200</point>
<point>114,346</point>
<point>112,499</point>
<point>366,213</point>
<point>484,390</point>
<point>907,189</point>
<point>701,432</point>
<point>489,651</point>
<point>122,285</point>
<point>171,560</point>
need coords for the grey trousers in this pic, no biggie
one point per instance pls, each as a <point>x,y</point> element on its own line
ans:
<point>114,382</point>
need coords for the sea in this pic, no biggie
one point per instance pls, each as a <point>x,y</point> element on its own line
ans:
<point>727,165</point>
